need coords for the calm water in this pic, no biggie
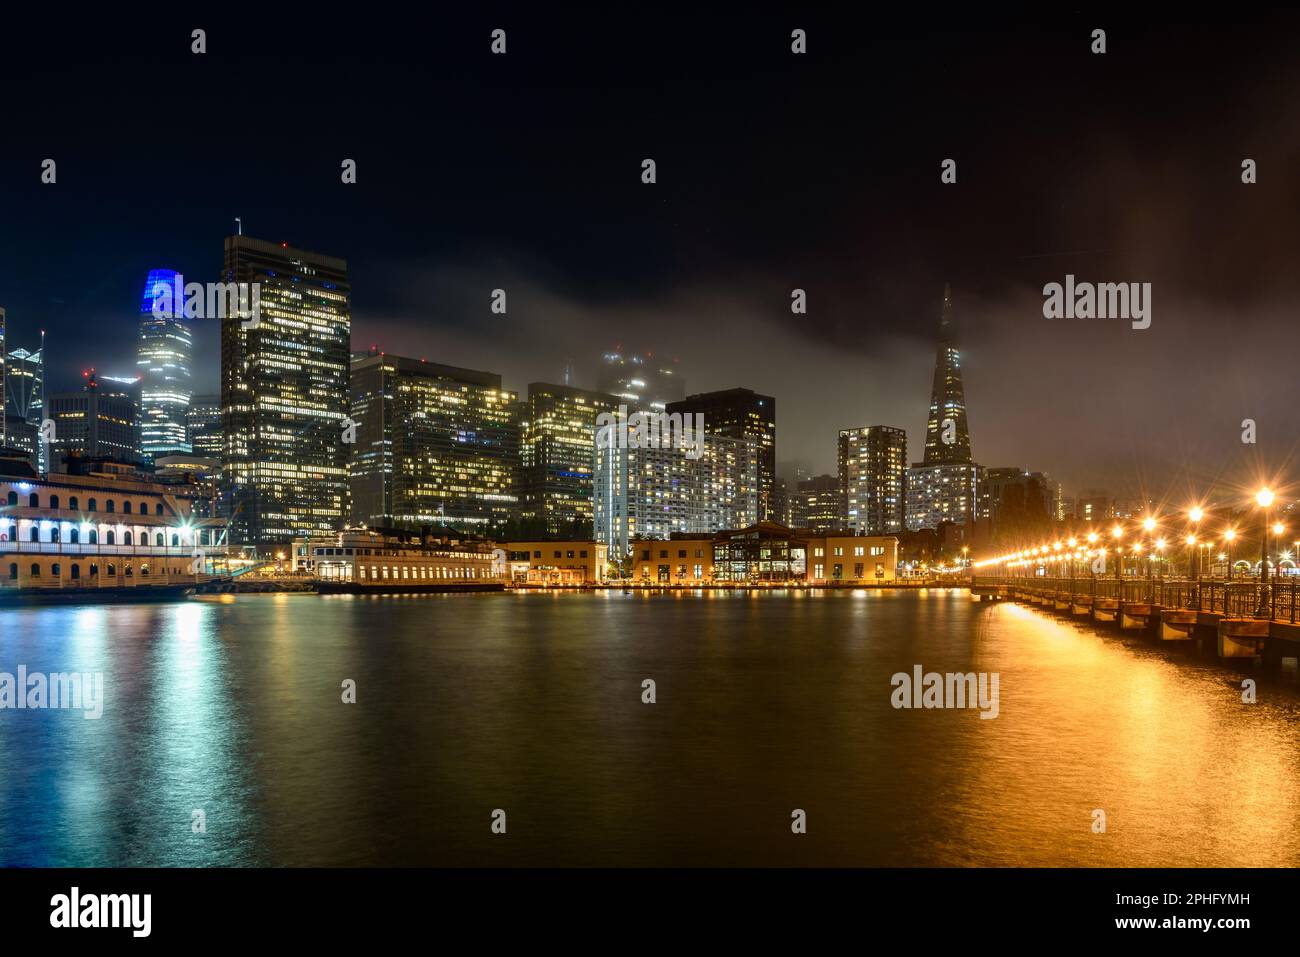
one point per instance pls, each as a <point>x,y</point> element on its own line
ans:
<point>532,703</point>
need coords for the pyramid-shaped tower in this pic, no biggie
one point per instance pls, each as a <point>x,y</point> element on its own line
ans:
<point>947,399</point>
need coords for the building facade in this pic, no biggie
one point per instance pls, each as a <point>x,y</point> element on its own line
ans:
<point>435,444</point>
<point>24,401</point>
<point>873,470</point>
<point>581,562</point>
<point>285,393</point>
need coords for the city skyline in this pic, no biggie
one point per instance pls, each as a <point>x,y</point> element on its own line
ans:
<point>871,238</point>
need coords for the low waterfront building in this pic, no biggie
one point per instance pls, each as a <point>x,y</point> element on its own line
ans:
<point>102,524</point>
<point>849,559</point>
<point>557,563</point>
<point>388,560</point>
<point>682,560</point>
<point>764,552</point>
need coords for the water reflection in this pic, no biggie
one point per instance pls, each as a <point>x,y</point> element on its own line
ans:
<point>765,703</point>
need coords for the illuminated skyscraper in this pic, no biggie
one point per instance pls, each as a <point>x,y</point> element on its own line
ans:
<point>947,435</point>
<point>942,488</point>
<point>873,463</point>
<point>435,444</point>
<point>559,456</point>
<point>163,359</point>
<point>100,420</point>
<point>285,393</point>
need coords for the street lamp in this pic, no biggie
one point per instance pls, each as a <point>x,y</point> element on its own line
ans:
<point>1228,537</point>
<point>1264,498</point>
<point>1195,516</point>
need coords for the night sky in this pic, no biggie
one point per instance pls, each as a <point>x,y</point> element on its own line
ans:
<point>775,171</point>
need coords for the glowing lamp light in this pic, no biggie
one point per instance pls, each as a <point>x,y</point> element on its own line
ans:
<point>1264,497</point>
<point>1196,514</point>
<point>1149,524</point>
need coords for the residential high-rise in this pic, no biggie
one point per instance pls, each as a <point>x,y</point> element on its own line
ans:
<point>818,504</point>
<point>738,413</point>
<point>435,444</point>
<point>558,457</point>
<point>164,358</point>
<point>285,393</point>
<point>644,382</point>
<point>655,492</point>
<point>873,466</point>
<point>102,420</point>
<point>203,424</point>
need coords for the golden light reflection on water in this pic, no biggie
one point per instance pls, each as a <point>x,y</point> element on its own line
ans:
<point>1184,771</point>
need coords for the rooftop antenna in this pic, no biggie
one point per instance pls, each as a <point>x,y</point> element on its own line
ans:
<point>568,372</point>
<point>239,226</point>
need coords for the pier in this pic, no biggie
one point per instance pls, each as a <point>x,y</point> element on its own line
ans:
<point>1240,621</point>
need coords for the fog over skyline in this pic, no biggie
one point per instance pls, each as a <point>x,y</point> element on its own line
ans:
<point>774,172</point>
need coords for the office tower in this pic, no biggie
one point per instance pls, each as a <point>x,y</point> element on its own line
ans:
<point>163,359</point>
<point>643,382</point>
<point>436,444</point>
<point>24,398</point>
<point>739,413</point>
<point>818,504</point>
<point>203,425</point>
<point>100,421</point>
<point>655,492</point>
<point>947,435</point>
<point>943,487</point>
<point>285,393</point>
<point>873,466</point>
<point>558,453</point>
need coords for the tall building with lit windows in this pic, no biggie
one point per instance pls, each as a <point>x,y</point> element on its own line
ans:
<point>741,413</point>
<point>942,488</point>
<point>873,469</point>
<point>655,492</point>
<point>164,357</point>
<point>102,420</point>
<point>285,392</point>
<point>436,444</point>
<point>558,456</point>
